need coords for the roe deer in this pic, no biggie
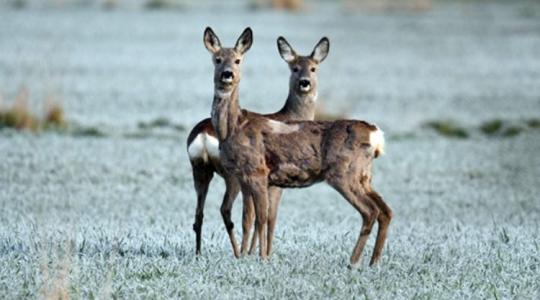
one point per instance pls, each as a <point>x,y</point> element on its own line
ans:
<point>203,145</point>
<point>261,153</point>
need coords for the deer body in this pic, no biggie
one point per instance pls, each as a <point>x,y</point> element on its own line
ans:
<point>300,154</point>
<point>203,144</point>
<point>261,153</point>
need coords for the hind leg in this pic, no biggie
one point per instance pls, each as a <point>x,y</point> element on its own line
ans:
<point>384,221</point>
<point>356,195</point>
<point>232,190</point>
<point>202,175</point>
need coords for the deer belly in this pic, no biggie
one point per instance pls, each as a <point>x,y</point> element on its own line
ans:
<point>294,175</point>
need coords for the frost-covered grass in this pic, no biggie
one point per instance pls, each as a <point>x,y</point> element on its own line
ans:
<point>116,215</point>
<point>109,215</point>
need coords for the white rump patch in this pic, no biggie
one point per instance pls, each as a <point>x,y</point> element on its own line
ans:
<point>196,148</point>
<point>204,146</point>
<point>212,146</point>
<point>282,128</point>
<point>376,139</point>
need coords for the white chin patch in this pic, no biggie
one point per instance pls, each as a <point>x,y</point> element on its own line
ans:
<point>305,88</point>
<point>226,80</point>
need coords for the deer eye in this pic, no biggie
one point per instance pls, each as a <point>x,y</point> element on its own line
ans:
<point>218,60</point>
<point>237,61</point>
<point>312,69</point>
<point>295,69</point>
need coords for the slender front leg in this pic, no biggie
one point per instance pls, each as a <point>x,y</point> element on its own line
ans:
<point>274,197</point>
<point>260,200</point>
<point>256,187</point>
<point>254,239</point>
<point>248,217</point>
<point>232,190</point>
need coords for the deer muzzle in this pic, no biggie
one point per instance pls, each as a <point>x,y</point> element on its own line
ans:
<point>227,77</point>
<point>305,85</point>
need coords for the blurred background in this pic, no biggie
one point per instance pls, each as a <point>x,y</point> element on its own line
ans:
<point>402,63</point>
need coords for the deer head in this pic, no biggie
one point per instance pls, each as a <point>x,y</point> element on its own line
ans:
<point>303,79</point>
<point>227,61</point>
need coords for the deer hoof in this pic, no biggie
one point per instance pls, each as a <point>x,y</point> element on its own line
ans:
<point>354,266</point>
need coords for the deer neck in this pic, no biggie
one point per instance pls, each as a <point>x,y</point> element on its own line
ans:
<point>300,107</point>
<point>226,112</point>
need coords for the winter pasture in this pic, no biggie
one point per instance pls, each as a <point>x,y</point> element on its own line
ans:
<point>106,212</point>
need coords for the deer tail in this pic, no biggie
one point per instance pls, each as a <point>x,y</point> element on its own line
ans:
<point>376,140</point>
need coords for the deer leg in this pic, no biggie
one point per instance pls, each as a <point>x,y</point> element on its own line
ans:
<point>260,201</point>
<point>274,196</point>
<point>383,219</point>
<point>357,197</point>
<point>248,217</point>
<point>253,246</point>
<point>202,175</point>
<point>258,189</point>
<point>232,190</point>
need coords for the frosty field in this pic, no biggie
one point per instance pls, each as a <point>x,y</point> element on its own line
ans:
<point>110,216</point>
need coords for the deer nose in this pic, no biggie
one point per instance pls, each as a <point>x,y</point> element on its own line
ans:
<point>227,75</point>
<point>304,83</point>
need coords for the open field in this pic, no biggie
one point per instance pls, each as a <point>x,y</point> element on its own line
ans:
<point>109,215</point>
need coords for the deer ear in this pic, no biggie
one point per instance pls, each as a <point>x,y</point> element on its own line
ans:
<point>285,50</point>
<point>245,41</point>
<point>211,41</point>
<point>321,50</point>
